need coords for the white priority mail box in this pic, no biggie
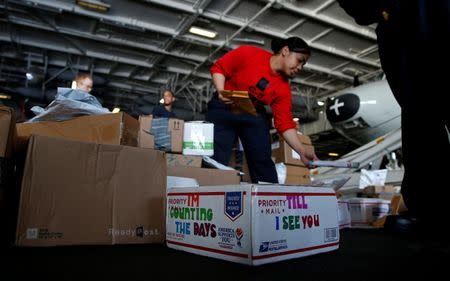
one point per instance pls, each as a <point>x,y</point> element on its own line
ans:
<point>364,211</point>
<point>198,138</point>
<point>252,224</point>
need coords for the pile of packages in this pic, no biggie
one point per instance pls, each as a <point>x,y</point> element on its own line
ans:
<point>103,179</point>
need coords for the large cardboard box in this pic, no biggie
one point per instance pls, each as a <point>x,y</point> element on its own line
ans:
<point>252,224</point>
<point>7,140</point>
<point>114,128</point>
<point>283,153</point>
<point>387,192</point>
<point>364,211</point>
<point>174,132</point>
<point>7,131</point>
<point>205,176</point>
<point>296,175</point>
<point>78,193</point>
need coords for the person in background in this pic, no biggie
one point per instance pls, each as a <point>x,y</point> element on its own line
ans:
<point>165,110</point>
<point>265,76</point>
<point>84,82</point>
<point>412,36</point>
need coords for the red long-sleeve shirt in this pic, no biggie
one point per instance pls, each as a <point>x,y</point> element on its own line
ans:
<point>247,68</point>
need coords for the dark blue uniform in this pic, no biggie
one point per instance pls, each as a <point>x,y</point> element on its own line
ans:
<point>160,111</point>
<point>253,132</point>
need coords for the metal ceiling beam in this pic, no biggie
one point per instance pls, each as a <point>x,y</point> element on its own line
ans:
<point>99,71</point>
<point>355,29</point>
<point>99,38</point>
<point>260,12</point>
<point>92,53</point>
<point>304,12</point>
<point>172,33</point>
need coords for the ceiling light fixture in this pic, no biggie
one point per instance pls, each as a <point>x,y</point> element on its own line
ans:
<point>116,110</point>
<point>320,103</point>
<point>94,5</point>
<point>202,32</point>
<point>29,76</point>
<point>333,154</point>
<point>5,97</point>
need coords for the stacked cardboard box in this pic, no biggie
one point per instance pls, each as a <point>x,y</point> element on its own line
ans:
<point>78,193</point>
<point>7,131</point>
<point>174,132</point>
<point>296,172</point>
<point>119,129</point>
<point>252,224</point>
<point>91,186</point>
<point>7,139</point>
<point>361,212</point>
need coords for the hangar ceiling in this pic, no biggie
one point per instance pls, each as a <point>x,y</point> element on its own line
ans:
<point>137,48</point>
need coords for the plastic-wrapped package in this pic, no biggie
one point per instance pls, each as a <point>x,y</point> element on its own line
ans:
<point>68,104</point>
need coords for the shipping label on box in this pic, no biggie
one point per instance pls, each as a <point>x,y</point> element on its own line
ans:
<point>252,224</point>
<point>198,138</point>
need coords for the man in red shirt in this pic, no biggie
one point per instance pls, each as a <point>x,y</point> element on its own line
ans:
<point>265,76</point>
